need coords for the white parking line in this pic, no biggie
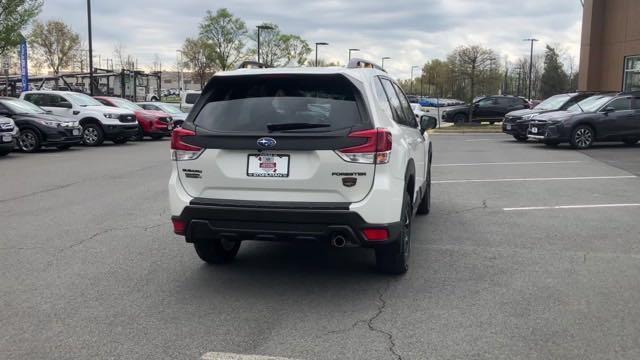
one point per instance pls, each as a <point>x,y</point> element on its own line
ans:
<point>571,207</point>
<point>230,356</point>
<point>511,163</point>
<point>533,179</point>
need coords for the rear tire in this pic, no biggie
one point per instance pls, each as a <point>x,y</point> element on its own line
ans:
<point>92,135</point>
<point>394,258</point>
<point>217,251</point>
<point>520,138</point>
<point>29,141</point>
<point>582,137</point>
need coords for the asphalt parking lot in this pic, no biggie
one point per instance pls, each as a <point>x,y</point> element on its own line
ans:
<point>530,252</point>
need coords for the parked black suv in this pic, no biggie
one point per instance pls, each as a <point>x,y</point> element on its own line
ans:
<point>490,108</point>
<point>39,128</point>
<point>516,123</point>
<point>602,117</point>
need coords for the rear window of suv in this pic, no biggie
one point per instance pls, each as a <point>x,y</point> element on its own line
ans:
<point>254,103</point>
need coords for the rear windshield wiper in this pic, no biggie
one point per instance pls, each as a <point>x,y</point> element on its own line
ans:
<point>294,126</point>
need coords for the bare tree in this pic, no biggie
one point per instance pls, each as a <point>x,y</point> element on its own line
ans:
<point>55,43</point>
<point>125,61</point>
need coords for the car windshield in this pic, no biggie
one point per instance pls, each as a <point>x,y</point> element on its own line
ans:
<point>125,104</point>
<point>22,107</point>
<point>591,104</point>
<point>553,103</point>
<point>265,103</point>
<point>170,109</point>
<point>83,100</point>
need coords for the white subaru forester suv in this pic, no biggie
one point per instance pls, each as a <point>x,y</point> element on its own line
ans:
<point>301,154</point>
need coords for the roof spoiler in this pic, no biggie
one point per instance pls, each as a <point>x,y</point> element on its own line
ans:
<point>252,65</point>
<point>361,63</point>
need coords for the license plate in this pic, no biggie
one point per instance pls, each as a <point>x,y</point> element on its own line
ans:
<point>508,126</point>
<point>534,130</point>
<point>7,138</point>
<point>76,132</point>
<point>268,165</point>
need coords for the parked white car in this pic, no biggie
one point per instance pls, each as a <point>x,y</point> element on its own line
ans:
<point>8,135</point>
<point>99,122</point>
<point>188,99</point>
<point>333,155</point>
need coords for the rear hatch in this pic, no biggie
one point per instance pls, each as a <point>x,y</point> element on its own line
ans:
<point>277,138</point>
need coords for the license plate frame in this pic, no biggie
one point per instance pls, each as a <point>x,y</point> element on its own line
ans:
<point>260,164</point>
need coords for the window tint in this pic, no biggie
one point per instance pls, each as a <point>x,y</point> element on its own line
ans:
<point>502,101</point>
<point>620,104</point>
<point>486,102</point>
<point>635,103</point>
<point>252,103</point>
<point>191,98</point>
<point>396,107</point>
<point>408,112</point>
<point>34,99</point>
<point>382,100</point>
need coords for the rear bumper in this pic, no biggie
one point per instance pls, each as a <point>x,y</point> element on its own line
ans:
<point>278,221</point>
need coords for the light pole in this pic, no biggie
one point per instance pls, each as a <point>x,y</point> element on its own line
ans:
<point>383,59</point>
<point>262,27</point>
<point>180,76</point>
<point>350,50</point>
<point>532,40</point>
<point>411,86</point>
<point>319,43</point>
<point>90,48</point>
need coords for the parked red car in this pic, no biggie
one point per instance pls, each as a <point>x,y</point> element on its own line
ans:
<point>152,123</point>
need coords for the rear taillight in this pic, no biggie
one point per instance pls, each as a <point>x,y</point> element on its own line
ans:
<point>180,150</point>
<point>377,149</point>
<point>376,234</point>
<point>179,226</point>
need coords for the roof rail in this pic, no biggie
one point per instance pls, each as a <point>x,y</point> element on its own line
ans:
<point>252,65</point>
<point>361,63</point>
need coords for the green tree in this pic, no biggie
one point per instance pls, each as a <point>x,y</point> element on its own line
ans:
<point>15,15</point>
<point>55,43</point>
<point>554,79</point>
<point>473,62</point>
<point>226,33</point>
<point>199,57</point>
<point>278,49</point>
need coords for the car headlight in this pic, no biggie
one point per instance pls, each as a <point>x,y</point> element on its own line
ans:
<point>49,123</point>
<point>6,126</point>
<point>111,115</point>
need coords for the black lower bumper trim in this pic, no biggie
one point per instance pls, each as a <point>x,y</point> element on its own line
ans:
<point>278,224</point>
<point>118,131</point>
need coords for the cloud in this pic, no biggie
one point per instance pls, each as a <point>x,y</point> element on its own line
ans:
<point>411,32</point>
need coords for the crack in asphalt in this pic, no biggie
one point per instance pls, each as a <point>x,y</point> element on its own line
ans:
<point>484,206</point>
<point>382,304</point>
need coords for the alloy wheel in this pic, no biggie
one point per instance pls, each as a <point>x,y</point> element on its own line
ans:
<point>27,141</point>
<point>583,137</point>
<point>90,135</point>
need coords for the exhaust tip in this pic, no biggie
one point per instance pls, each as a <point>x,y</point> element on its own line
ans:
<point>338,241</point>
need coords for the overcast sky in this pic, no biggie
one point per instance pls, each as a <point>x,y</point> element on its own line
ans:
<point>409,31</point>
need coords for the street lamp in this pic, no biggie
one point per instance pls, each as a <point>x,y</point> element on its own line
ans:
<point>532,40</point>
<point>90,48</point>
<point>180,76</point>
<point>262,27</point>
<point>319,43</point>
<point>350,50</point>
<point>383,59</point>
<point>411,86</point>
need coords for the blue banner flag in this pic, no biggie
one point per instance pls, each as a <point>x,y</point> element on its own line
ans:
<point>24,65</point>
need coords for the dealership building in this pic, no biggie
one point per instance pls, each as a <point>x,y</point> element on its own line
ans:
<point>610,46</point>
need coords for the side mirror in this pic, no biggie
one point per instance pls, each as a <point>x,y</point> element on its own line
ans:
<point>427,123</point>
<point>609,109</point>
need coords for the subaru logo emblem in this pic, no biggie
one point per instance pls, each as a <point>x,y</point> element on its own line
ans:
<point>267,142</point>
